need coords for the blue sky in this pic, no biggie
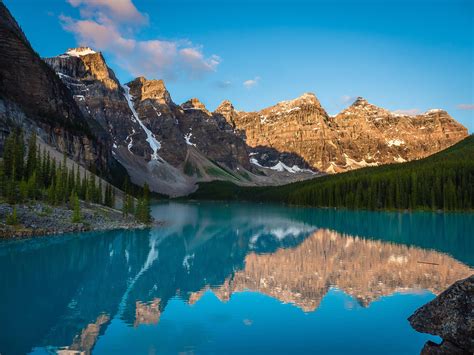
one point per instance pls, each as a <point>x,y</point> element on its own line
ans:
<point>401,55</point>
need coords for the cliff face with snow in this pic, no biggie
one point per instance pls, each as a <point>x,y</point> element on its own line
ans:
<point>168,146</point>
<point>361,135</point>
<point>76,104</point>
<point>171,146</point>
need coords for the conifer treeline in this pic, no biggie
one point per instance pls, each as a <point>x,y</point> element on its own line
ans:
<point>444,181</point>
<point>142,208</point>
<point>33,174</point>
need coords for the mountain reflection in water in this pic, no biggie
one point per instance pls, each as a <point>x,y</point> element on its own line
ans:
<point>64,293</point>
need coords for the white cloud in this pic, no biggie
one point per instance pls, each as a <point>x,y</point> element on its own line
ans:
<point>194,59</point>
<point>118,10</point>
<point>251,82</point>
<point>109,31</point>
<point>408,112</point>
<point>466,106</point>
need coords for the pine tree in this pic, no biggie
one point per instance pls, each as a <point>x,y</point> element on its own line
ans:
<point>39,168</point>
<point>112,201</point>
<point>76,214</point>
<point>71,180</point>
<point>99,193</point>
<point>19,155</point>
<point>23,188</point>
<point>78,181</point>
<point>51,194</point>
<point>8,154</point>
<point>83,193</point>
<point>146,204</point>
<point>32,156</point>
<point>125,206</point>
<point>46,168</point>
<point>32,187</point>
<point>2,179</point>
<point>142,212</point>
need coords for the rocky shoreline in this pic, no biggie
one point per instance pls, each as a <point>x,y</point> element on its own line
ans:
<point>37,219</point>
<point>450,316</point>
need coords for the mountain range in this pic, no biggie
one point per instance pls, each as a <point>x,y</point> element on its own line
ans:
<point>76,104</point>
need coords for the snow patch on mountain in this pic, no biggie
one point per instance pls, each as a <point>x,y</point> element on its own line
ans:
<point>352,163</point>
<point>79,52</point>
<point>187,138</point>
<point>255,162</point>
<point>281,167</point>
<point>155,145</point>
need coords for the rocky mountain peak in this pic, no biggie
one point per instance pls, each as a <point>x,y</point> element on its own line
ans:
<point>142,89</point>
<point>224,106</point>
<point>226,112</point>
<point>194,104</point>
<point>360,101</point>
<point>225,109</point>
<point>86,64</point>
<point>361,108</point>
<point>307,98</point>
<point>436,111</point>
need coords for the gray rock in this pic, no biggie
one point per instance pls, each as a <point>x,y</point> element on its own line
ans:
<point>450,316</point>
<point>444,348</point>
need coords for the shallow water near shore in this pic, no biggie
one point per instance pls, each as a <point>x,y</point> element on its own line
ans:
<point>233,278</point>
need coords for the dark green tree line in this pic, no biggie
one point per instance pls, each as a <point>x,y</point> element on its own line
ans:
<point>31,174</point>
<point>443,181</point>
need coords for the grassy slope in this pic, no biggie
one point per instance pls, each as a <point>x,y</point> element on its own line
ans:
<point>414,182</point>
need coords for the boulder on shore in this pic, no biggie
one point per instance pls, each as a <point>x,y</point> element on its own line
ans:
<point>450,316</point>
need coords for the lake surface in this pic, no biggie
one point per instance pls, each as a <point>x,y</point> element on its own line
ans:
<point>233,278</point>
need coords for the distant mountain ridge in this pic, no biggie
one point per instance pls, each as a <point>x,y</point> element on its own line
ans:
<point>169,146</point>
<point>85,111</point>
<point>359,136</point>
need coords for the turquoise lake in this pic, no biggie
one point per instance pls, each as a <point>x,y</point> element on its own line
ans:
<point>233,278</point>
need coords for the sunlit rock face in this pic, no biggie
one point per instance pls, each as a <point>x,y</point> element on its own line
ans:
<point>361,135</point>
<point>361,268</point>
<point>98,93</point>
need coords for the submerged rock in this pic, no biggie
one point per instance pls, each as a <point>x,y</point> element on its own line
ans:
<point>450,316</point>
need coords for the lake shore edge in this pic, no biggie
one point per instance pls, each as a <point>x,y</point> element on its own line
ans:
<point>37,219</point>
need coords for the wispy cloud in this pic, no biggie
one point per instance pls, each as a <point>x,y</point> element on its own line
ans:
<point>251,82</point>
<point>408,112</point>
<point>117,10</point>
<point>109,26</point>
<point>223,84</point>
<point>466,106</point>
<point>347,99</point>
